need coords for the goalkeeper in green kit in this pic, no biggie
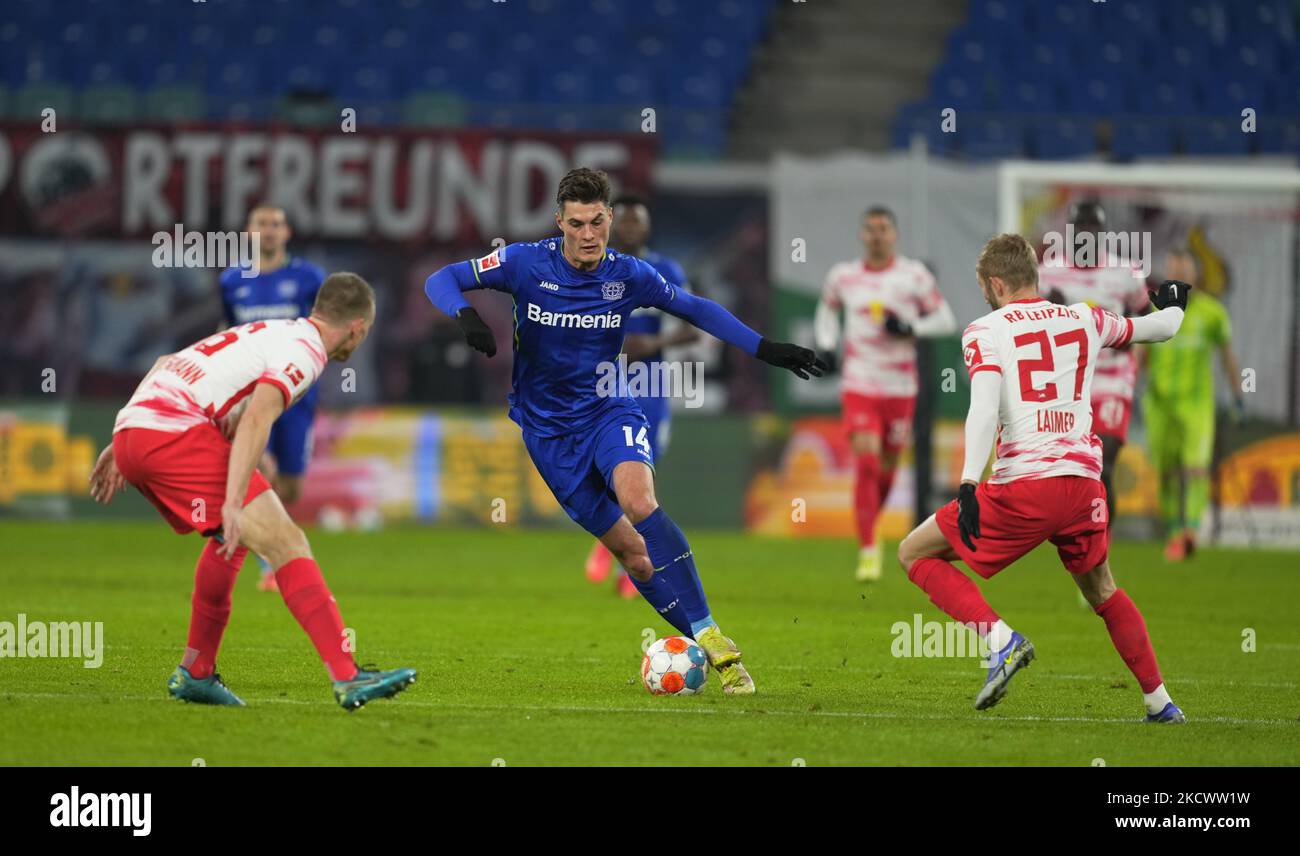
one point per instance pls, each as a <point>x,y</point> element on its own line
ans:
<point>1179,407</point>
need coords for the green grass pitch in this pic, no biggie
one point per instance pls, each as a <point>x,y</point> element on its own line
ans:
<point>522,661</point>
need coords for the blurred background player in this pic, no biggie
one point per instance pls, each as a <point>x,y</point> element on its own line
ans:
<point>1178,407</point>
<point>1115,285</point>
<point>648,333</point>
<point>887,300</point>
<point>1046,483</point>
<point>285,287</point>
<point>189,440</point>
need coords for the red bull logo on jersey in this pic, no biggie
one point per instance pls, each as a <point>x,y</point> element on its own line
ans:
<point>574,319</point>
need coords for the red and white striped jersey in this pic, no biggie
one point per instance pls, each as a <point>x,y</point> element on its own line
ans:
<point>1047,355</point>
<point>875,362</point>
<point>1119,288</point>
<point>211,380</point>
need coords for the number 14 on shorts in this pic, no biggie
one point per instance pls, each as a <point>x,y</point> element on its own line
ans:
<point>641,441</point>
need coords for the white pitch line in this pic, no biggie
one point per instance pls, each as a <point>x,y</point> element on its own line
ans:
<point>975,669</point>
<point>839,714</point>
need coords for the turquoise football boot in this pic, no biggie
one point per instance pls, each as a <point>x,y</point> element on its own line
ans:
<point>372,683</point>
<point>209,690</point>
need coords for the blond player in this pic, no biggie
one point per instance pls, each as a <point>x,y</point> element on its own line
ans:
<point>1032,364</point>
<point>189,440</point>
<point>887,301</point>
<point>1116,285</point>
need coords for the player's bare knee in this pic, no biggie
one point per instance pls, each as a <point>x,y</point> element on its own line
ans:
<point>1096,585</point>
<point>290,543</point>
<point>639,506</point>
<point>907,552</point>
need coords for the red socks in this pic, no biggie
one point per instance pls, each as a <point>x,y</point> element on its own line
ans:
<point>214,580</point>
<point>305,593</point>
<point>867,496</point>
<point>1128,632</point>
<point>952,591</point>
<point>886,481</point>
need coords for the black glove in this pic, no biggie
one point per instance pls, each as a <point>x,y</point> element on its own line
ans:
<point>784,355</point>
<point>896,325</point>
<point>968,514</point>
<point>477,334</point>
<point>830,359</point>
<point>1172,292</point>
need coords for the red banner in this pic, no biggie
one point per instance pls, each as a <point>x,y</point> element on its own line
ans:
<point>396,185</point>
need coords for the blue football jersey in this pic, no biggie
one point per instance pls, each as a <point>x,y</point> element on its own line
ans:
<point>287,292</point>
<point>568,328</point>
<point>650,321</point>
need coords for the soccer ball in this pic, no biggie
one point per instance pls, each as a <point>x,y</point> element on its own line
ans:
<point>674,666</point>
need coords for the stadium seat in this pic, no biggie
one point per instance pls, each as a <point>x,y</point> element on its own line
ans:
<point>308,112</point>
<point>1029,95</point>
<point>434,110</point>
<point>1215,137</point>
<point>1167,96</point>
<point>30,100</point>
<point>1097,94</point>
<point>1278,135</point>
<point>992,137</point>
<point>175,103</point>
<point>111,104</point>
<point>1062,139</point>
<point>1142,137</point>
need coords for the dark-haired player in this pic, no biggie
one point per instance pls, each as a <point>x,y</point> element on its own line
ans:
<point>573,296</point>
<point>648,333</point>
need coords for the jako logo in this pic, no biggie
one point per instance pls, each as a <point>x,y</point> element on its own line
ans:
<point>549,286</point>
<point>573,319</point>
<point>77,809</point>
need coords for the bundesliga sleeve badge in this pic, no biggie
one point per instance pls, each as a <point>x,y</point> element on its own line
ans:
<point>491,260</point>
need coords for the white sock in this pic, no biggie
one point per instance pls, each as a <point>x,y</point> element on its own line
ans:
<point>1156,699</point>
<point>998,637</point>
